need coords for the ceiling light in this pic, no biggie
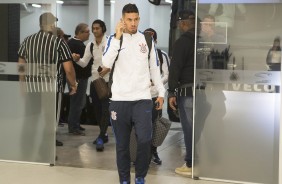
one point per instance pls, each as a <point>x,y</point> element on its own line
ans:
<point>60,2</point>
<point>36,5</point>
<point>112,1</point>
<point>168,1</point>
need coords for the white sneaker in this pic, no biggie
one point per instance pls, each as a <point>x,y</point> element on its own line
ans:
<point>184,170</point>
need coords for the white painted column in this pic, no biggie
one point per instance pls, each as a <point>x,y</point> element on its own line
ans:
<point>112,24</point>
<point>95,11</point>
<point>280,139</point>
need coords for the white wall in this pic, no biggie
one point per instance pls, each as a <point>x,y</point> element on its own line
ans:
<point>70,16</point>
<point>160,22</point>
<point>29,24</point>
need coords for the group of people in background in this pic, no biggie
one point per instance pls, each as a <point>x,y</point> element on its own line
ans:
<point>139,79</point>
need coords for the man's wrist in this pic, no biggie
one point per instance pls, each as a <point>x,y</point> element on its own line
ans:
<point>21,68</point>
<point>171,94</point>
<point>74,85</point>
<point>118,36</point>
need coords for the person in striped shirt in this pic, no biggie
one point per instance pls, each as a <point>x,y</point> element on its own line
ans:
<point>42,58</point>
<point>45,48</point>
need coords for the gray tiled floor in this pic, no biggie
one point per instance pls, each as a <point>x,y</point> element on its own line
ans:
<point>79,163</point>
<point>78,151</point>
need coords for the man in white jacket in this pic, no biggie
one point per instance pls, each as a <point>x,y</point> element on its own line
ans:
<point>164,64</point>
<point>131,104</point>
<point>94,50</point>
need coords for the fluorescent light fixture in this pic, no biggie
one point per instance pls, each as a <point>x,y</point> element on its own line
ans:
<point>36,5</point>
<point>112,1</point>
<point>168,1</point>
<point>60,2</point>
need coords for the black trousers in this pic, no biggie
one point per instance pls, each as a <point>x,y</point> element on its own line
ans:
<point>126,115</point>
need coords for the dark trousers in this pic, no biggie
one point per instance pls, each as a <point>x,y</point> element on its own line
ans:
<point>185,106</point>
<point>77,103</point>
<point>124,116</point>
<point>101,111</point>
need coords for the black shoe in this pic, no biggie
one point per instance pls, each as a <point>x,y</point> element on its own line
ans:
<point>61,124</point>
<point>77,132</point>
<point>62,120</point>
<point>105,139</point>
<point>59,143</point>
<point>156,159</point>
<point>81,128</point>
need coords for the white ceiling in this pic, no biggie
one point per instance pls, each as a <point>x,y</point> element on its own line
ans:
<point>85,2</point>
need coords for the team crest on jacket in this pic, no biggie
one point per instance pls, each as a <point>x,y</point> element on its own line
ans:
<point>114,115</point>
<point>143,48</point>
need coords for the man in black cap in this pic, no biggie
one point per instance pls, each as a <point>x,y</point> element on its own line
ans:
<point>180,82</point>
<point>45,49</point>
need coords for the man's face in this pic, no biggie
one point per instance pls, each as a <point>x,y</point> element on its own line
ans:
<point>97,30</point>
<point>207,26</point>
<point>276,44</point>
<point>85,34</point>
<point>181,25</point>
<point>131,22</point>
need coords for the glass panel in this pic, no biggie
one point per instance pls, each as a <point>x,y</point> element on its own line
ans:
<point>28,105</point>
<point>237,106</point>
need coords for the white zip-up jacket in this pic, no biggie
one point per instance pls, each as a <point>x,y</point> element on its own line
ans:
<point>133,70</point>
<point>97,56</point>
<point>164,75</point>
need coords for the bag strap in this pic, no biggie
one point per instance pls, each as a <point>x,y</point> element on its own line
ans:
<point>159,114</point>
<point>113,68</point>
<point>91,48</point>
<point>160,54</point>
<point>91,61</point>
<point>148,39</point>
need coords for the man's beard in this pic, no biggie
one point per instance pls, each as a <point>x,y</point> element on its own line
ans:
<point>131,32</point>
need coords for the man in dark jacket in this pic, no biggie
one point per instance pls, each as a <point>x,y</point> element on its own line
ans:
<point>180,82</point>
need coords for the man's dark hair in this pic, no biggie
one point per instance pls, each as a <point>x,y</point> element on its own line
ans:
<point>152,32</point>
<point>101,23</point>
<point>130,8</point>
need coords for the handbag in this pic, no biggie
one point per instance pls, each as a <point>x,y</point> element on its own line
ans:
<point>101,88</point>
<point>160,130</point>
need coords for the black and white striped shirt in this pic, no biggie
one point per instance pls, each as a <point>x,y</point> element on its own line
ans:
<point>44,54</point>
